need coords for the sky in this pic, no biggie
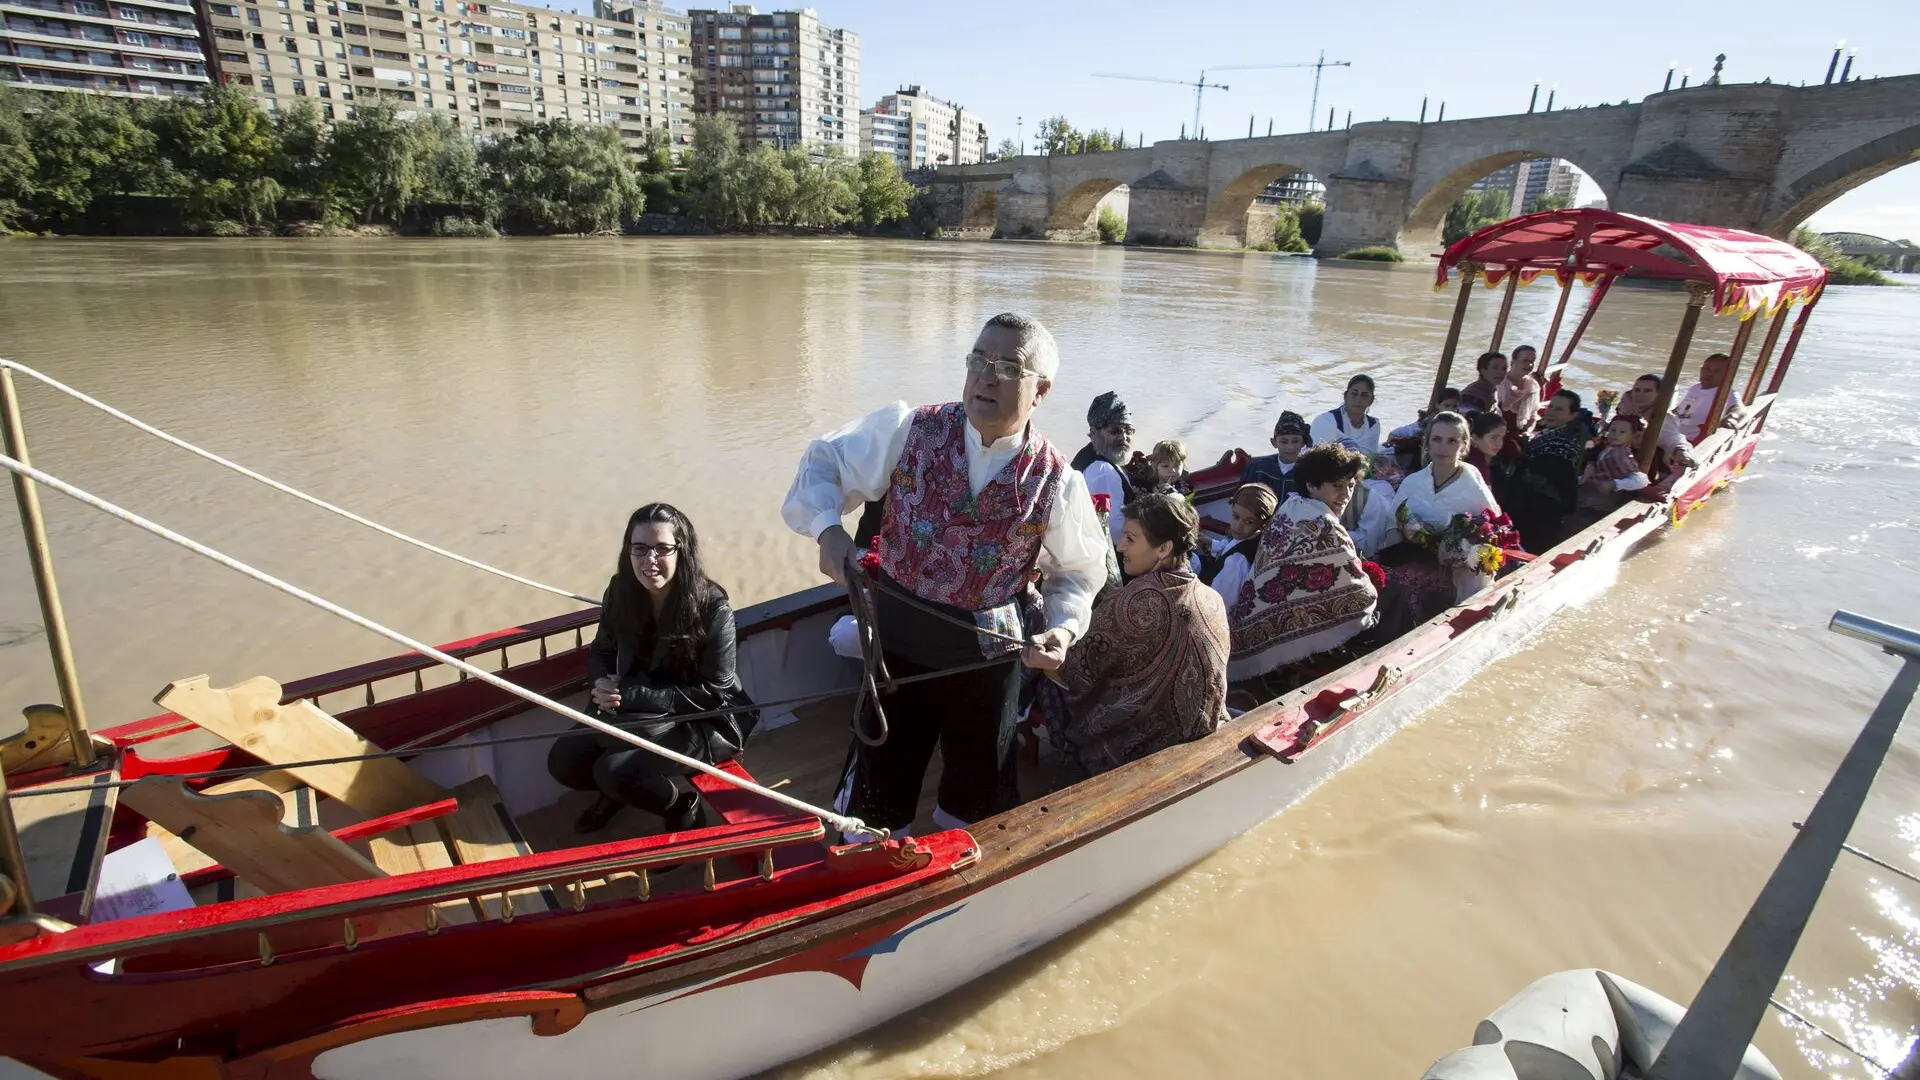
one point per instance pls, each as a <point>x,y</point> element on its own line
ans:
<point>1032,59</point>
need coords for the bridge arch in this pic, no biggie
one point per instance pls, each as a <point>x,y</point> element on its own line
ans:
<point>1226,221</point>
<point>1421,230</point>
<point>1074,211</point>
<point>1821,185</point>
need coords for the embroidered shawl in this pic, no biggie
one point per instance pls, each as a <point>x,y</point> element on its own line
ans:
<point>1307,593</point>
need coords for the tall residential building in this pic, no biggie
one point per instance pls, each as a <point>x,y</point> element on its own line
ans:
<point>128,48</point>
<point>1525,182</point>
<point>493,67</point>
<point>938,132</point>
<point>785,77</point>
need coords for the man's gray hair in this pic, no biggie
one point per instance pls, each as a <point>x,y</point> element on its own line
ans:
<point>1037,350</point>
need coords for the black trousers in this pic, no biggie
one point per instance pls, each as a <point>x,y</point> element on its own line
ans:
<point>969,716</point>
<point>592,761</point>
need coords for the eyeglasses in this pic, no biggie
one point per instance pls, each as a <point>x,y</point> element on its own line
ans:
<point>1004,370</point>
<point>657,551</point>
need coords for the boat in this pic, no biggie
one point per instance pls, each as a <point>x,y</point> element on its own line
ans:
<point>387,899</point>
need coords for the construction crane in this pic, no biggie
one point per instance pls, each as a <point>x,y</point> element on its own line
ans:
<point>1201,85</point>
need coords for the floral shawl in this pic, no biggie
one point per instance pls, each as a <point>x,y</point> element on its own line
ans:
<point>1150,673</point>
<point>1307,592</point>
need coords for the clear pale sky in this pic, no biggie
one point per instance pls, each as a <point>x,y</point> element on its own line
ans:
<point>1034,58</point>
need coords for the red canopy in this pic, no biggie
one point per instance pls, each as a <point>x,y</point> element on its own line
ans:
<point>1750,273</point>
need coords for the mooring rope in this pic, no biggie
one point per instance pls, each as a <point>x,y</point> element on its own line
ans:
<point>843,823</point>
<point>323,504</point>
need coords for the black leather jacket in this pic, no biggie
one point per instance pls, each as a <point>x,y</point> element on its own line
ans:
<point>649,692</point>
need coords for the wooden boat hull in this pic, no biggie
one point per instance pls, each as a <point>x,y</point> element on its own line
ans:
<point>733,1009</point>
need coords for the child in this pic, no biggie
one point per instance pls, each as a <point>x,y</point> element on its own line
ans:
<point>1407,439</point>
<point>1616,469</point>
<point>1290,436</point>
<point>1169,460</point>
<point>1226,565</point>
<point>1486,434</point>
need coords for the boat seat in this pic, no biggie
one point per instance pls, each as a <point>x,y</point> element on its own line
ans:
<point>481,831</point>
<point>244,832</point>
<point>737,806</point>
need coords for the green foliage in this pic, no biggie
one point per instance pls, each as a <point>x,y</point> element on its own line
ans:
<point>1548,202</point>
<point>17,162</point>
<point>369,164</point>
<point>85,147</point>
<point>1286,231</point>
<point>1374,254</point>
<point>1312,216</point>
<point>882,194</point>
<point>1474,211</point>
<point>1113,227</point>
<point>559,176</point>
<point>1841,269</point>
<point>1058,136</point>
<point>303,147</point>
<point>715,173</point>
<point>463,227</point>
<point>217,152</point>
<point>1008,149</point>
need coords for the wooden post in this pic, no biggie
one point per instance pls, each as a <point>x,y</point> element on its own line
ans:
<point>1586,319</point>
<point>34,528</point>
<point>1697,292</point>
<point>1545,358</point>
<point>1793,343</point>
<point>1506,309</point>
<point>1720,395</point>
<point>1468,271</point>
<point>1766,353</point>
<point>16,897</point>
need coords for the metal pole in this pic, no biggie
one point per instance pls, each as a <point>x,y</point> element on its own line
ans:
<point>1586,320</point>
<point>16,896</point>
<point>1650,442</point>
<point>1713,1035</point>
<point>1468,271</point>
<point>1553,330</point>
<point>1313,107</point>
<point>1766,353</point>
<point>1506,309</point>
<point>35,532</point>
<point>1725,390</point>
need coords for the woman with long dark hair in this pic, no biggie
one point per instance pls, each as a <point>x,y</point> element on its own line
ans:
<point>665,647</point>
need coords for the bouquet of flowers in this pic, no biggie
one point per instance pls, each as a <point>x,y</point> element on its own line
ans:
<point>1476,541</point>
<point>1604,401</point>
<point>870,559</point>
<point>1375,573</point>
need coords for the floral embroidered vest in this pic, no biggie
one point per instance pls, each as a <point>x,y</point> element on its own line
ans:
<point>946,544</point>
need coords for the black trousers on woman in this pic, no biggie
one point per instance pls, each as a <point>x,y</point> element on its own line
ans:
<point>592,761</point>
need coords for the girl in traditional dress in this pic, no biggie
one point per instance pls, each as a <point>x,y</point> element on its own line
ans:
<point>1601,484</point>
<point>1151,671</point>
<point>1419,585</point>
<point>1230,560</point>
<point>1488,434</point>
<point>1308,592</point>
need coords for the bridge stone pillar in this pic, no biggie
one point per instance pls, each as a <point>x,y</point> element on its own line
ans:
<point>1168,206</point>
<point>1705,155</point>
<point>1026,201</point>
<point>1369,197</point>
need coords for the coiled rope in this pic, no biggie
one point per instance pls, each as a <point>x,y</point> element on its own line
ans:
<point>80,396</point>
<point>843,823</point>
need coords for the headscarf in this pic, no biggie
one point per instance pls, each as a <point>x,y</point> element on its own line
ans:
<point>1108,410</point>
<point>1257,497</point>
<point>1292,423</point>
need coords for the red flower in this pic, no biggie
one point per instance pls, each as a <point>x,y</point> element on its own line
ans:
<point>1290,576</point>
<point>1320,578</point>
<point>1103,502</point>
<point>1376,574</point>
<point>870,559</point>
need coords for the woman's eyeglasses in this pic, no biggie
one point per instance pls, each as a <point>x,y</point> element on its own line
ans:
<point>656,551</point>
<point>1004,370</point>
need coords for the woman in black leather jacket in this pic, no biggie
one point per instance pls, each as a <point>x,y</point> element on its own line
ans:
<point>665,646</point>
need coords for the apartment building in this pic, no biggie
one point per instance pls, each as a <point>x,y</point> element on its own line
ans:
<point>1526,181</point>
<point>128,48</point>
<point>936,132</point>
<point>785,77</point>
<point>491,66</point>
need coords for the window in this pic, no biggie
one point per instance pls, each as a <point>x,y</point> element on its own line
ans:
<point>326,90</point>
<point>253,16</point>
<point>358,50</point>
<point>228,10</point>
<point>334,29</point>
<point>266,84</point>
<point>286,22</point>
<point>260,41</point>
<point>300,87</point>
<point>290,44</point>
<point>233,58</point>
<point>327,110</point>
<point>313,27</point>
<point>224,35</point>
<point>296,67</point>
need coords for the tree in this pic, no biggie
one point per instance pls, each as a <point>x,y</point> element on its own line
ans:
<point>1841,269</point>
<point>559,176</point>
<point>1008,149</point>
<point>447,162</point>
<point>303,147</point>
<point>766,188</point>
<point>1111,226</point>
<point>823,195</point>
<point>880,193</point>
<point>85,147</point>
<point>1286,231</point>
<point>713,172</point>
<point>1097,141</point>
<point>1473,211</point>
<point>219,152</point>
<point>1057,136</point>
<point>370,165</point>
<point>17,165</point>
<point>1548,202</point>
<point>1312,216</point>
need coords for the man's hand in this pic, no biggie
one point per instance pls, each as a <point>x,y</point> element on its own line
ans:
<point>1048,651</point>
<point>606,693</point>
<point>835,546</point>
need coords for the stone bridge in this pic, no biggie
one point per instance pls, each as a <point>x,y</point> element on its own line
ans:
<point>1751,156</point>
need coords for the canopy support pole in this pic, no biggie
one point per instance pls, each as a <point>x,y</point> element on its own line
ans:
<point>1774,326</point>
<point>1468,271</point>
<point>16,898</point>
<point>1553,331</point>
<point>1725,389</point>
<point>1697,292</point>
<point>1580,328</point>
<point>41,555</point>
<point>1793,343</point>
<point>1506,309</point>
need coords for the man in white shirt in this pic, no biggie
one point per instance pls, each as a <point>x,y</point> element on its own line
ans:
<point>1350,420</point>
<point>976,501</point>
<point>1698,400</point>
<point>1102,461</point>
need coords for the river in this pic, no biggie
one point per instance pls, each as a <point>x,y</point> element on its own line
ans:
<point>1613,794</point>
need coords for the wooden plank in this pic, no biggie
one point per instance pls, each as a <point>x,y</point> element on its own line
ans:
<point>46,742</point>
<point>295,796</point>
<point>243,832</point>
<point>418,847</point>
<point>64,838</point>
<point>482,831</point>
<point>249,715</point>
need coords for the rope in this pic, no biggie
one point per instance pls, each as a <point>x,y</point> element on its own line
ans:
<point>209,455</point>
<point>841,822</point>
<point>414,747</point>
